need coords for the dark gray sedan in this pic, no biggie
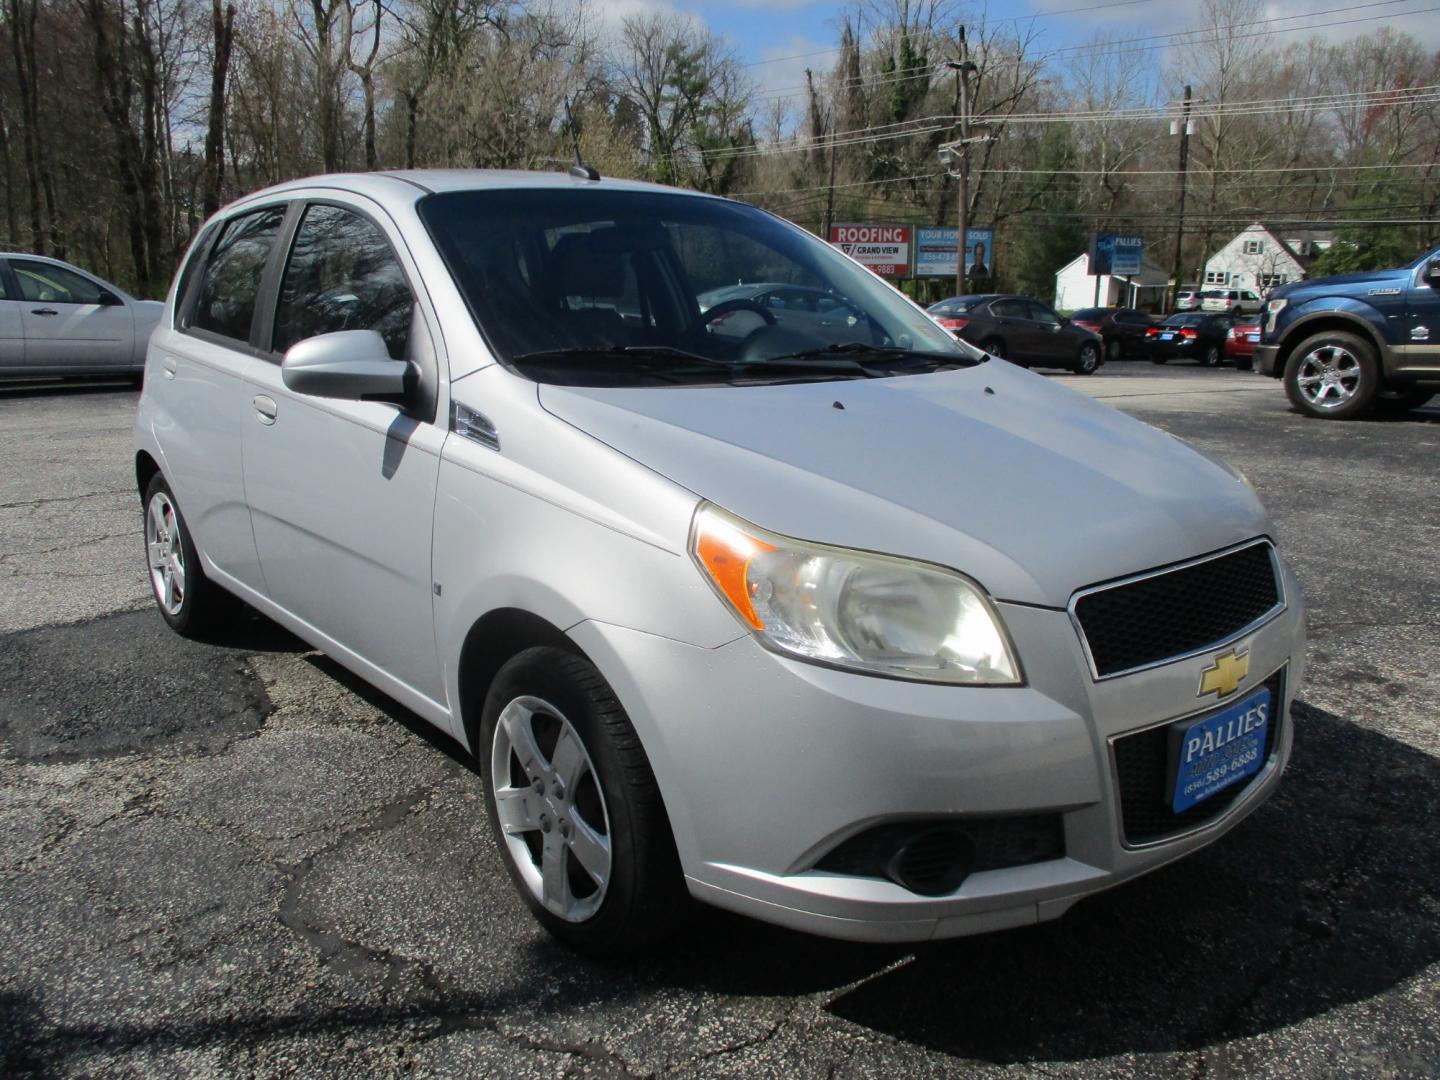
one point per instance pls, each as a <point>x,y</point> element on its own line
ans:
<point>1021,330</point>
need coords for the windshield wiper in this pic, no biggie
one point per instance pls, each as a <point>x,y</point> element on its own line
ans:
<point>680,357</point>
<point>861,351</point>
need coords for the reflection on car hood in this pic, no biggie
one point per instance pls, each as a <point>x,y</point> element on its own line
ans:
<point>1029,487</point>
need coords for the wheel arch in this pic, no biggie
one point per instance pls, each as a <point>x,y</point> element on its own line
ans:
<point>492,640</point>
<point>145,469</point>
<point>1329,322</point>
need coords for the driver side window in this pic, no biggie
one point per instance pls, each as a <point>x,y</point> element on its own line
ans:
<point>342,275</point>
<point>45,283</point>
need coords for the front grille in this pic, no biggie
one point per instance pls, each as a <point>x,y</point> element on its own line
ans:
<point>1173,613</point>
<point>1142,771</point>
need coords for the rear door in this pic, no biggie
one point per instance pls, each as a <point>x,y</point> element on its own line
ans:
<point>203,402</point>
<point>1015,327</point>
<point>70,320</point>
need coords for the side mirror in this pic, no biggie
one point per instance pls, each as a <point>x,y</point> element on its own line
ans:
<point>108,299</point>
<point>353,365</point>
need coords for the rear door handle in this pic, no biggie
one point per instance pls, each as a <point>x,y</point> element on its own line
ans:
<point>264,409</point>
<point>44,311</point>
<point>167,365</point>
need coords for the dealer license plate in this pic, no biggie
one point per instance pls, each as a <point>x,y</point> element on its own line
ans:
<point>1207,756</point>
<point>1252,337</point>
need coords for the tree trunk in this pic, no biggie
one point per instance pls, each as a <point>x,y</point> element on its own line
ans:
<point>22,40</point>
<point>223,27</point>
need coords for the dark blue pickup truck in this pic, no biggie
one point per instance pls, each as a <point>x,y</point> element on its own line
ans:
<point>1356,342</point>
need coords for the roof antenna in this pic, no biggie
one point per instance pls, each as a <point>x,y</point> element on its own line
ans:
<point>579,170</point>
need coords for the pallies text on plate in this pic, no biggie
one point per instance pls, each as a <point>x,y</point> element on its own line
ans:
<point>1211,741</point>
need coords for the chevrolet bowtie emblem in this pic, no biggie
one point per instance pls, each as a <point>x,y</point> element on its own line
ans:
<point>1223,678</point>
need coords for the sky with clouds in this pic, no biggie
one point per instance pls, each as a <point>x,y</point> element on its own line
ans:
<point>777,37</point>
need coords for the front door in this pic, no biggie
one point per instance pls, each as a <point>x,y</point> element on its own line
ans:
<point>1420,336</point>
<point>342,493</point>
<point>71,321</point>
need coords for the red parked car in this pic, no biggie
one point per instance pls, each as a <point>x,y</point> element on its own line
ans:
<point>1240,344</point>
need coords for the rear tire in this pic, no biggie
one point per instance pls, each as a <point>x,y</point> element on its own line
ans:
<point>1114,350</point>
<point>1211,356</point>
<point>1332,376</point>
<point>995,347</point>
<point>188,601</point>
<point>1155,359</point>
<point>1244,363</point>
<point>583,831</point>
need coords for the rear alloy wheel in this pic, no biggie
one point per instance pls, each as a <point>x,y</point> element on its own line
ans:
<point>1089,359</point>
<point>1211,356</point>
<point>574,807</point>
<point>1396,402</point>
<point>186,598</point>
<point>1332,376</point>
<point>995,347</point>
<point>1113,349</point>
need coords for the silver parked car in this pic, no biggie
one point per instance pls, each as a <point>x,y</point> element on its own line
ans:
<point>56,319</point>
<point>875,638</point>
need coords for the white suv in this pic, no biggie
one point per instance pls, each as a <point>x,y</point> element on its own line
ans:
<point>1231,301</point>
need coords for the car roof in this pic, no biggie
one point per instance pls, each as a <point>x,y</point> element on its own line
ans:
<point>406,186</point>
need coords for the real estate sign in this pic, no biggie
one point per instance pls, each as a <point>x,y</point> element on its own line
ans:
<point>1115,254</point>
<point>883,248</point>
<point>935,252</point>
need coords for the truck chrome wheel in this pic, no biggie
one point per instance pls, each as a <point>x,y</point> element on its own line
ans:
<point>551,808</point>
<point>1329,376</point>
<point>166,553</point>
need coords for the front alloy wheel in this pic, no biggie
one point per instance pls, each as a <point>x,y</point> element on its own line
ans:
<point>1089,359</point>
<point>1333,376</point>
<point>574,807</point>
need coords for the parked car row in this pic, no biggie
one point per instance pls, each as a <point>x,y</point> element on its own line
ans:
<point>1029,333</point>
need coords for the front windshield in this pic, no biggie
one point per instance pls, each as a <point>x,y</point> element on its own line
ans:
<point>598,287</point>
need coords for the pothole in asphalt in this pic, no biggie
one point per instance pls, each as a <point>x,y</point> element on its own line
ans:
<point>125,683</point>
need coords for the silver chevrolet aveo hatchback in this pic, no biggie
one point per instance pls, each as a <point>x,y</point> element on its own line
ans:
<point>797,606</point>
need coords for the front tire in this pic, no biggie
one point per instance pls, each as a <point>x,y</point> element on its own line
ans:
<point>1332,376</point>
<point>574,807</point>
<point>188,601</point>
<point>1088,360</point>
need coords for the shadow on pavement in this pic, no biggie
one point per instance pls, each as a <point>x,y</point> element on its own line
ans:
<point>1322,897</point>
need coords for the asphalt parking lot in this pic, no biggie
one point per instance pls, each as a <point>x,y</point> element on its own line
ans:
<point>234,859</point>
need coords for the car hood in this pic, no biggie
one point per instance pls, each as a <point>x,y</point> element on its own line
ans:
<point>1302,290</point>
<point>1029,487</point>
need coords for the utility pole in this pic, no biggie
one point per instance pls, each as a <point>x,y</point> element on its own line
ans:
<point>830,190</point>
<point>1183,128</point>
<point>959,152</point>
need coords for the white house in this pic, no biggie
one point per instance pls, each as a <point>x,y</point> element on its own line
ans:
<point>1075,289</point>
<point>1260,257</point>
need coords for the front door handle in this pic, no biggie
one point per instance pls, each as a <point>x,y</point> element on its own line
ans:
<point>264,409</point>
<point>44,311</point>
<point>168,366</point>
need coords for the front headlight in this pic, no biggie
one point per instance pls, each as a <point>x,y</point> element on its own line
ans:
<point>1272,311</point>
<point>852,609</point>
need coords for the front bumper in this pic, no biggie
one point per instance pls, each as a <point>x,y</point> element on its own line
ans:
<point>1267,360</point>
<point>767,764</point>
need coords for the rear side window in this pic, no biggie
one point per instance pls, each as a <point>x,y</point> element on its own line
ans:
<point>231,282</point>
<point>342,275</point>
<point>1010,309</point>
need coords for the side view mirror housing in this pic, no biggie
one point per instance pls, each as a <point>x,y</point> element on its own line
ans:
<point>108,299</point>
<point>353,365</point>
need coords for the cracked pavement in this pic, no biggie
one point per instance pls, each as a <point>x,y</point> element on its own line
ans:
<point>232,858</point>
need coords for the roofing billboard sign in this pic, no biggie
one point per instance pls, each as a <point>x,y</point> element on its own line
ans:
<point>883,248</point>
